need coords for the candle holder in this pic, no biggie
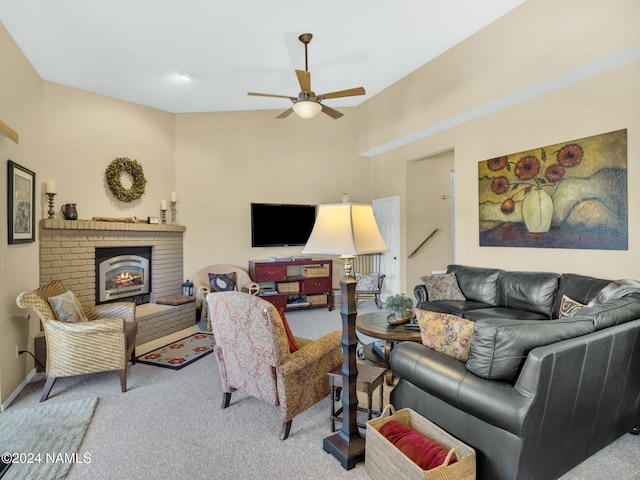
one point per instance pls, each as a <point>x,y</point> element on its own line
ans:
<point>174,212</point>
<point>163,216</point>
<point>51,212</point>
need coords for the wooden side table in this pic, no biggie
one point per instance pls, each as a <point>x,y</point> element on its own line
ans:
<point>375,325</point>
<point>369,378</point>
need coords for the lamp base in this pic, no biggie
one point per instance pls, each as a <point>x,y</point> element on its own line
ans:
<point>348,452</point>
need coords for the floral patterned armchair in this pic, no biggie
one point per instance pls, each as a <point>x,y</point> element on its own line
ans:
<point>253,356</point>
<point>106,341</point>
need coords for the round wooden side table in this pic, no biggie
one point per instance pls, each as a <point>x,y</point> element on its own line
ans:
<point>375,325</point>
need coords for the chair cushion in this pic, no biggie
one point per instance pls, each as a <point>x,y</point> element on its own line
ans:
<point>67,308</point>
<point>443,287</point>
<point>421,450</point>
<point>445,333</point>
<point>367,282</point>
<point>222,282</point>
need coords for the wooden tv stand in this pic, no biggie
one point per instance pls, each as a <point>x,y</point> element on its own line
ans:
<point>295,284</point>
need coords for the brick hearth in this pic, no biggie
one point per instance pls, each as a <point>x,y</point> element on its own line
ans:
<point>67,253</point>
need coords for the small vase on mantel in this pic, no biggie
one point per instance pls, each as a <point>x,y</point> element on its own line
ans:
<point>537,211</point>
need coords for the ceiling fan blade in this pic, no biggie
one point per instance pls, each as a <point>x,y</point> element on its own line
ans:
<point>271,95</point>
<point>304,79</point>
<point>344,93</point>
<point>331,112</point>
<point>286,113</point>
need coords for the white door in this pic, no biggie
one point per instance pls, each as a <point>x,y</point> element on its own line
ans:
<point>387,213</point>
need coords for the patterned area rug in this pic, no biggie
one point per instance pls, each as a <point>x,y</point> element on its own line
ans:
<point>181,353</point>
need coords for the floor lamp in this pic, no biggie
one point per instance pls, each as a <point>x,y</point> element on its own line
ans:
<point>348,230</point>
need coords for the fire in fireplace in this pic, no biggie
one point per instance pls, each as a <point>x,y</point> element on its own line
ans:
<point>123,273</point>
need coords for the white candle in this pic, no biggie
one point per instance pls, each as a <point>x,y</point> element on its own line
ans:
<point>163,204</point>
<point>51,186</point>
<point>173,196</point>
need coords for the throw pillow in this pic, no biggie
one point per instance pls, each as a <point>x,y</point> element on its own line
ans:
<point>445,333</point>
<point>367,282</point>
<point>443,287</point>
<point>421,450</point>
<point>293,345</point>
<point>67,308</point>
<point>222,282</point>
<point>568,306</point>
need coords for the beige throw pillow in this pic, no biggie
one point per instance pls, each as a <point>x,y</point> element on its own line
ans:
<point>445,333</point>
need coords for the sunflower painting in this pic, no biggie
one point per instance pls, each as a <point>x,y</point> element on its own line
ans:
<point>568,195</point>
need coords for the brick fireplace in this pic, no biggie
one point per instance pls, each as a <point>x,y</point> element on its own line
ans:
<point>67,253</point>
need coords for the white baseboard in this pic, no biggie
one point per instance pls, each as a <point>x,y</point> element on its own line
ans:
<point>17,391</point>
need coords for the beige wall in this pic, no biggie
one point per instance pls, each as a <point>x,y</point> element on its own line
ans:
<point>21,109</point>
<point>225,161</point>
<point>218,163</point>
<point>537,41</point>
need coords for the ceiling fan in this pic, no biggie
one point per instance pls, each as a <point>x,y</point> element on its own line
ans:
<point>307,104</point>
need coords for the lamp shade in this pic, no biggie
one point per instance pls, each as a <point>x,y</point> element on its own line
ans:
<point>345,229</point>
<point>307,108</point>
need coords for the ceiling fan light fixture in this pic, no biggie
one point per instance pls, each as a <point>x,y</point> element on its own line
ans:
<point>307,108</point>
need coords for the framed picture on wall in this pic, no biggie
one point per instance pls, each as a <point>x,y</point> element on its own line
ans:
<point>21,201</point>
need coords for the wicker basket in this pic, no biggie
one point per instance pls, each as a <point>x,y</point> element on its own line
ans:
<point>317,299</point>
<point>288,287</point>
<point>384,461</point>
<point>315,271</point>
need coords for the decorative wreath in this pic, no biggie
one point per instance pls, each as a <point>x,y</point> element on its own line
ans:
<point>114,179</point>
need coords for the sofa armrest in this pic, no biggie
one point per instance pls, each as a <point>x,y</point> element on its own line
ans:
<point>311,352</point>
<point>420,292</point>
<point>441,376</point>
<point>86,347</point>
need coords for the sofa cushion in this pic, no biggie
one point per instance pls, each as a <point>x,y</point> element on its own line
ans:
<point>477,283</point>
<point>455,307</point>
<point>579,287</point>
<point>531,291</point>
<point>614,312</point>
<point>443,287</point>
<point>445,333</point>
<point>500,346</point>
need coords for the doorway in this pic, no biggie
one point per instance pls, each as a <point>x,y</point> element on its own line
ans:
<point>387,213</point>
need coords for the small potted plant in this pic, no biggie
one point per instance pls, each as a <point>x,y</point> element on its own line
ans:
<point>399,305</point>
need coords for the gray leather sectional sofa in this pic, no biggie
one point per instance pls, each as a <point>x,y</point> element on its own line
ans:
<point>539,394</point>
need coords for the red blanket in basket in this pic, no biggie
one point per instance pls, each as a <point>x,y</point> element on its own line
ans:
<point>426,453</point>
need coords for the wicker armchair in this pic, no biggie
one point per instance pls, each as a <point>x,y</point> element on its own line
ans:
<point>202,286</point>
<point>253,356</point>
<point>102,344</point>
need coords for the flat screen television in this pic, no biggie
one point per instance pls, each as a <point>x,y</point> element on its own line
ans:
<point>279,225</point>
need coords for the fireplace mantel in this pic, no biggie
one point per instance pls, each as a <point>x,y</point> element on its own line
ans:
<point>55,224</point>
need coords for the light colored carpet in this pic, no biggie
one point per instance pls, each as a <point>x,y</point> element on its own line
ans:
<point>48,435</point>
<point>169,425</point>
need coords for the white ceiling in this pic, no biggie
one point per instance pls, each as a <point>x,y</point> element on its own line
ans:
<point>134,49</point>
